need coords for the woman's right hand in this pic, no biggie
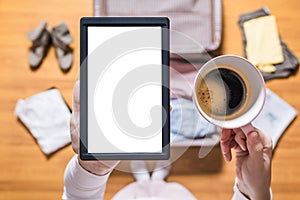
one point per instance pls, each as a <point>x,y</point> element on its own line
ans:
<point>253,161</point>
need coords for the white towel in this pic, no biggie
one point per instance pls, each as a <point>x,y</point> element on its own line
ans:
<point>47,117</point>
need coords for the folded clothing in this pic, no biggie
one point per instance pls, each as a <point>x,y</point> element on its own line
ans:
<point>47,117</point>
<point>282,70</point>
<point>186,121</point>
<point>275,117</point>
<point>263,43</point>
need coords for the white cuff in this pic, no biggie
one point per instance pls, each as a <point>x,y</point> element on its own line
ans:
<point>239,196</point>
<point>81,184</point>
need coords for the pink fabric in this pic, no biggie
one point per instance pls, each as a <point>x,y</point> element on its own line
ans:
<point>182,75</point>
<point>199,20</point>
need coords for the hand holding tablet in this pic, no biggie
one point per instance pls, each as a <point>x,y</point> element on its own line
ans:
<point>124,84</point>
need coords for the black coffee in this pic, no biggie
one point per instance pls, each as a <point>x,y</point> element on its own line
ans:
<point>222,92</point>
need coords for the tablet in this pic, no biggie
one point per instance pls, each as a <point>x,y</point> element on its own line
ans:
<point>124,88</point>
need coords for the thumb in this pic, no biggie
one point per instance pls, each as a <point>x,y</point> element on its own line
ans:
<point>255,144</point>
<point>76,99</point>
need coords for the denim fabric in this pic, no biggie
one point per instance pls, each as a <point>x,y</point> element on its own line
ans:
<point>185,120</point>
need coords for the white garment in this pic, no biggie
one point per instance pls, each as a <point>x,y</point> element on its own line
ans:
<point>80,184</point>
<point>47,117</point>
<point>154,190</point>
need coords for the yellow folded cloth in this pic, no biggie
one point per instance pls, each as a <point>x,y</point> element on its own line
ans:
<point>263,44</point>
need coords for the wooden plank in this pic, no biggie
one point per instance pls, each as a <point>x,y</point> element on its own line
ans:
<point>28,174</point>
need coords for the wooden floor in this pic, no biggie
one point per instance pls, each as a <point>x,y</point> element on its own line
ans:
<point>26,173</point>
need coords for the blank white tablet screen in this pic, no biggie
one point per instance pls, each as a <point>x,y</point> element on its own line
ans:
<point>125,91</point>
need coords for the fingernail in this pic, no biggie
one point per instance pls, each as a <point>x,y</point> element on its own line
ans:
<point>225,158</point>
<point>254,136</point>
<point>243,147</point>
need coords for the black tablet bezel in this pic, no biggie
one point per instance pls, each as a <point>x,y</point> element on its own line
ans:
<point>124,21</point>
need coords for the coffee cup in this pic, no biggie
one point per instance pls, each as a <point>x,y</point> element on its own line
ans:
<point>229,92</point>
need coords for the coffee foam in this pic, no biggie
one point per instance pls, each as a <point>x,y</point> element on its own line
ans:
<point>214,96</point>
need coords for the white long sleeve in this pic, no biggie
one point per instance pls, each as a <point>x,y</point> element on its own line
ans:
<point>239,196</point>
<point>80,184</point>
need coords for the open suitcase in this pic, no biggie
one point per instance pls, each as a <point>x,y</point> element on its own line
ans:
<point>200,20</point>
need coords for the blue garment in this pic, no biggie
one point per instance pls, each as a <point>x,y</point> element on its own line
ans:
<point>185,120</point>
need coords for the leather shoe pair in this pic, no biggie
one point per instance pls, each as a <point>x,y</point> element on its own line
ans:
<point>42,39</point>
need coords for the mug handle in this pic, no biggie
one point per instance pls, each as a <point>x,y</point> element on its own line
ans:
<point>248,128</point>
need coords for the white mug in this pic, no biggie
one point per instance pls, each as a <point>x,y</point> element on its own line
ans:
<point>229,92</point>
